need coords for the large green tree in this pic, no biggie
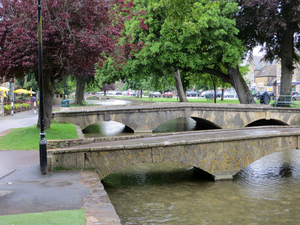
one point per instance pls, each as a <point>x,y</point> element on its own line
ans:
<point>275,26</point>
<point>201,40</point>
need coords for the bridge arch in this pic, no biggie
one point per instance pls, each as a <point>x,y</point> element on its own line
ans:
<point>181,124</point>
<point>266,122</point>
<point>109,128</point>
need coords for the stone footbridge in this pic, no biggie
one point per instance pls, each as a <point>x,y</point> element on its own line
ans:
<point>145,118</point>
<point>217,153</point>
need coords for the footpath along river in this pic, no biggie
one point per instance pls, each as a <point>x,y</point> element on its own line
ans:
<point>265,192</point>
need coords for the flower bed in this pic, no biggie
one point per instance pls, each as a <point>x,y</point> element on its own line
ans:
<point>18,107</point>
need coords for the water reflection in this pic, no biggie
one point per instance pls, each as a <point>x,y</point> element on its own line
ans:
<point>113,128</point>
<point>265,192</point>
<point>104,129</point>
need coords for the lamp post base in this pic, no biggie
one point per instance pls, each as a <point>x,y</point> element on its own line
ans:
<point>43,156</point>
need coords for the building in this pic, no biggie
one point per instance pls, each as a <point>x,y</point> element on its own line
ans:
<point>266,76</point>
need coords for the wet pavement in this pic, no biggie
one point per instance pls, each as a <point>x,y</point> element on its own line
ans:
<point>24,190</point>
<point>22,119</point>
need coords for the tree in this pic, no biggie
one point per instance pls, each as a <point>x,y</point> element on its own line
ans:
<point>274,25</point>
<point>107,87</point>
<point>76,34</point>
<point>203,41</point>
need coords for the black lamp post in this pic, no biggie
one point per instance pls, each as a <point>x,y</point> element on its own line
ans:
<point>43,142</point>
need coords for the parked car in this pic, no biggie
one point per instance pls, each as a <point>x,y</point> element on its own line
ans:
<point>167,94</point>
<point>191,94</point>
<point>203,93</point>
<point>127,93</point>
<point>119,93</point>
<point>156,94</point>
<point>219,94</point>
<point>296,97</point>
<point>229,95</point>
<point>294,92</point>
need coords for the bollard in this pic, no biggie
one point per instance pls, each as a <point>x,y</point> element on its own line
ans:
<point>12,108</point>
<point>34,103</point>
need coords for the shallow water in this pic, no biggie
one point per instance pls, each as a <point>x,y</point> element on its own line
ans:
<point>112,128</point>
<point>265,192</point>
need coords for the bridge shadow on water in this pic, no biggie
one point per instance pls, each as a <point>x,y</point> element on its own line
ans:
<point>148,174</point>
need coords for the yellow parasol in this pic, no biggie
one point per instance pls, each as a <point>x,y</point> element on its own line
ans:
<point>21,91</point>
<point>31,92</point>
<point>4,89</point>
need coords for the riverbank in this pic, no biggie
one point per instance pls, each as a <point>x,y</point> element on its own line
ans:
<point>24,192</point>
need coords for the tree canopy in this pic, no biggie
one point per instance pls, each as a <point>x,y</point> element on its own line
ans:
<point>76,34</point>
<point>200,37</point>
<point>275,26</point>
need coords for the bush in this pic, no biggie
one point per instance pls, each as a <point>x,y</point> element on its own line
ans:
<point>7,107</point>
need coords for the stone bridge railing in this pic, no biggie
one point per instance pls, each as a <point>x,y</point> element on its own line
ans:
<point>145,118</point>
<point>221,157</point>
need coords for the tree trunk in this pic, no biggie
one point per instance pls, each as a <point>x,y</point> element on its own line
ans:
<point>48,87</point>
<point>286,62</point>
<point>79,95</point>
<point>240,86</point>
<point>222,95</point>
<point>141,93</point>
<point>234,78</point>
<point>179,87</point>
<point>214,84</point>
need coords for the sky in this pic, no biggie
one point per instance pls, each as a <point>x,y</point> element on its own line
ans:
<point>256,51</point>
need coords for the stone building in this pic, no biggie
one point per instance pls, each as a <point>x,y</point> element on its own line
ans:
<point>266,76</point>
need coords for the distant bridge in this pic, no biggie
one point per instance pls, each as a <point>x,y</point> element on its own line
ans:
<point>218,153</point>
<point>145,118</point>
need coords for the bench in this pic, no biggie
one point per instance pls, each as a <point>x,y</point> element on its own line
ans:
<point>284,101</point>
<point>209,96</point>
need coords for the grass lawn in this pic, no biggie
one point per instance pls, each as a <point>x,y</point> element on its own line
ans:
<point>193,100</point>
<point>197,100</point>
<point>27,138</point>
<point>74,105</point>
<point>74,217</point>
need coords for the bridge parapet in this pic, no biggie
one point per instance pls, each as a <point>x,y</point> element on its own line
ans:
<point>145,118</point>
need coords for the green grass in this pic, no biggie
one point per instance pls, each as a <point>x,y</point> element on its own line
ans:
<point>197,100</point>
<point>28,138</point>
<point>75,105</point>
<point>74,217</point>
<point>194,100</point>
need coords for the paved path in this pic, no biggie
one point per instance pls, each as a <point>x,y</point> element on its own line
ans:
<point>22,119</point>
<point>24,190</point>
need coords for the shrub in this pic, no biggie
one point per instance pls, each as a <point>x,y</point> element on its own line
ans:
<point>7,107</point>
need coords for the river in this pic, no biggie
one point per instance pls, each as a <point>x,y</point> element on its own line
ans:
<point>265,192</point>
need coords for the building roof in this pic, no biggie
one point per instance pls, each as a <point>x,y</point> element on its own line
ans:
<point>268,71</point>
<point>257,60</point>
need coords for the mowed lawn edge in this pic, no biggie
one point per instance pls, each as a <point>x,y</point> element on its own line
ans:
<point>28,138</point>
<point>74,217</point>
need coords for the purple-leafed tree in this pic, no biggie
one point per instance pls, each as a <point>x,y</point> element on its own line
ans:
<point>107,87</point>
<point>274,25</point>
<point>76,35</point>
